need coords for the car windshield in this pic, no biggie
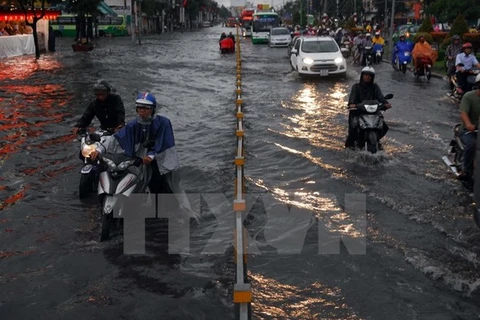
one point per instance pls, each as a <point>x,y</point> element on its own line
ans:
<point>278,32</point>
<point>319,46</point>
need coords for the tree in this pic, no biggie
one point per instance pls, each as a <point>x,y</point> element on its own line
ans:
<point>459,26</point>
<point>447,10</point>
<point>28,8</point>
<point>84,8</point>
<point>426,25</point>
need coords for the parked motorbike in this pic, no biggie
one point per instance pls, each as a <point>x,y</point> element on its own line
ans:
<point>456,91</point>
<point>378,51</point>
<point>402,59</point>
<point>123,176</point>
<point>369,123</point>
<point>91,168</point>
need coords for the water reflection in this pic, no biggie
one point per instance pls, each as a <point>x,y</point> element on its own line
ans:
<point>19,68</point>
<point>286,301</point>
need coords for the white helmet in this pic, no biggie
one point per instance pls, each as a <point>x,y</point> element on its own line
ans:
<point>477,78</point>
<point>377,33</point>
<point>368,35</point>
<point>370,70</point>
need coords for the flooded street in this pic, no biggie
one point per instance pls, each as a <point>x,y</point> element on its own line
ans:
<point>422,246</point>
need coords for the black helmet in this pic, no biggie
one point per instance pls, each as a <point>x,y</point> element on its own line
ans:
<point>102,86</point>
<point>456,37</point>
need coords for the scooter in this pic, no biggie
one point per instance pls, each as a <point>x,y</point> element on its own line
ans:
<point>378,51</point>
<point>402,59</point>
<point>424,68</point>
<point>369,123</point>
<point>454,160</point>
<point>346,49</point>
<point>123,176</point>
<point>456,91</point>
<point>368,55</point>
<point>91,168</point>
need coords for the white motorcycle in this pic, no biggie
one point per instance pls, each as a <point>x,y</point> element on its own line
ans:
<point>123,176</point>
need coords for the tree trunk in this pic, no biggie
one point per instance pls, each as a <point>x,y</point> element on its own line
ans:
<point>35,37</point>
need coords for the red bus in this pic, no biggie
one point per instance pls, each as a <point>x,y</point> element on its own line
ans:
<point>246,20</point>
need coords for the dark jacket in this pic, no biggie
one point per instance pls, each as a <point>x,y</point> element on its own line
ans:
<point>111,113</point>
<point>362,91</point>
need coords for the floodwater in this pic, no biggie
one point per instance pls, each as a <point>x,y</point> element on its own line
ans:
<point>421,256</point>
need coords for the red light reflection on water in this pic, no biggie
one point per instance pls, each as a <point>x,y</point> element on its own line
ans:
<point>24,67</point>
<point>26,111</point>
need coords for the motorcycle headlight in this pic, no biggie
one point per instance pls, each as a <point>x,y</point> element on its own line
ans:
<point>110,164</point>
<point>125,164</point>
<point>87,149</point>
<point>307,61</point>
<point>338,60</point>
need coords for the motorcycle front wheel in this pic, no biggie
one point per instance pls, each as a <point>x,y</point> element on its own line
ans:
<point>404,67</point>
<point>85,185</point>
<point>107,220</point>
<point>372,142</point>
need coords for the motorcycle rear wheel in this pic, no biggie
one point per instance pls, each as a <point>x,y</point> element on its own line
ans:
<point>372,142</point>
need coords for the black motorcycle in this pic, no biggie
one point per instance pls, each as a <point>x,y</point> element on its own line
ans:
<point>367,56</point>
<point>454,160</point>
<point>456,91</point>
<point>369,123</point>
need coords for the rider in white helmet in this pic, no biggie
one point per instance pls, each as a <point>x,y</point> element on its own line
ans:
<point>366,89</point>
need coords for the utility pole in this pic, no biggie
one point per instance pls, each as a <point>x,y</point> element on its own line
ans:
<point>133,22</point>
<point>390,34</point>
<point>139,19</point>
<point>385,23</point>
<point>301,14</point>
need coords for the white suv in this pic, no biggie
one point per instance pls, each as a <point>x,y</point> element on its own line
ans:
<point>312,55</point>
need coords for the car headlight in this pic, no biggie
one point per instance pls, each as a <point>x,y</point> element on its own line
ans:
<point>307,61</point>
<point>338,60</point>
<point>87,149</point>
<point>125,164</point>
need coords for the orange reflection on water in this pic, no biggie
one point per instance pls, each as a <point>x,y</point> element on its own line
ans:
<point>315,121</point>
<point>274,299</point>
<point>11,200</point>
<point>24,67</point>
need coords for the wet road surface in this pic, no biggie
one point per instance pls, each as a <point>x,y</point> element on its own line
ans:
<point>421,259</point>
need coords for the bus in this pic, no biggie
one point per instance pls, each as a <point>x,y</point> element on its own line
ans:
<point>64,26</point>
<point>263,21</point>
<point>246,20</point>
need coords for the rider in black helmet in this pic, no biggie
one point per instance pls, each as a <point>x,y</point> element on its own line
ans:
<point>107,107</point>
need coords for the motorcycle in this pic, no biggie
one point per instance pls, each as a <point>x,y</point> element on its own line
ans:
<point>346,49</point>
<point>369,123</point>
<point>454,160</point>
<point>402,59</point>
<point>424,68</point>
<point>91,168</point>
<point>123,176</point>
<point>368,55</point>
<point>378,50</point>
<point>456,91</point>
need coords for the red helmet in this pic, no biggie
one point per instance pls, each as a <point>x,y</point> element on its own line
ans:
<point>467,45</point>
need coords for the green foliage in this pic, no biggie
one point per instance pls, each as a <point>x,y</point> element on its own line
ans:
<point>426,25</point>
<point>428,37</point>
<point>350,24</point>
<point>447,10</point>
<point>459,26</point>
<point>83,7</point>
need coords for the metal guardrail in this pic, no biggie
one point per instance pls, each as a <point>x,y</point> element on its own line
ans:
<point>242,292</point>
